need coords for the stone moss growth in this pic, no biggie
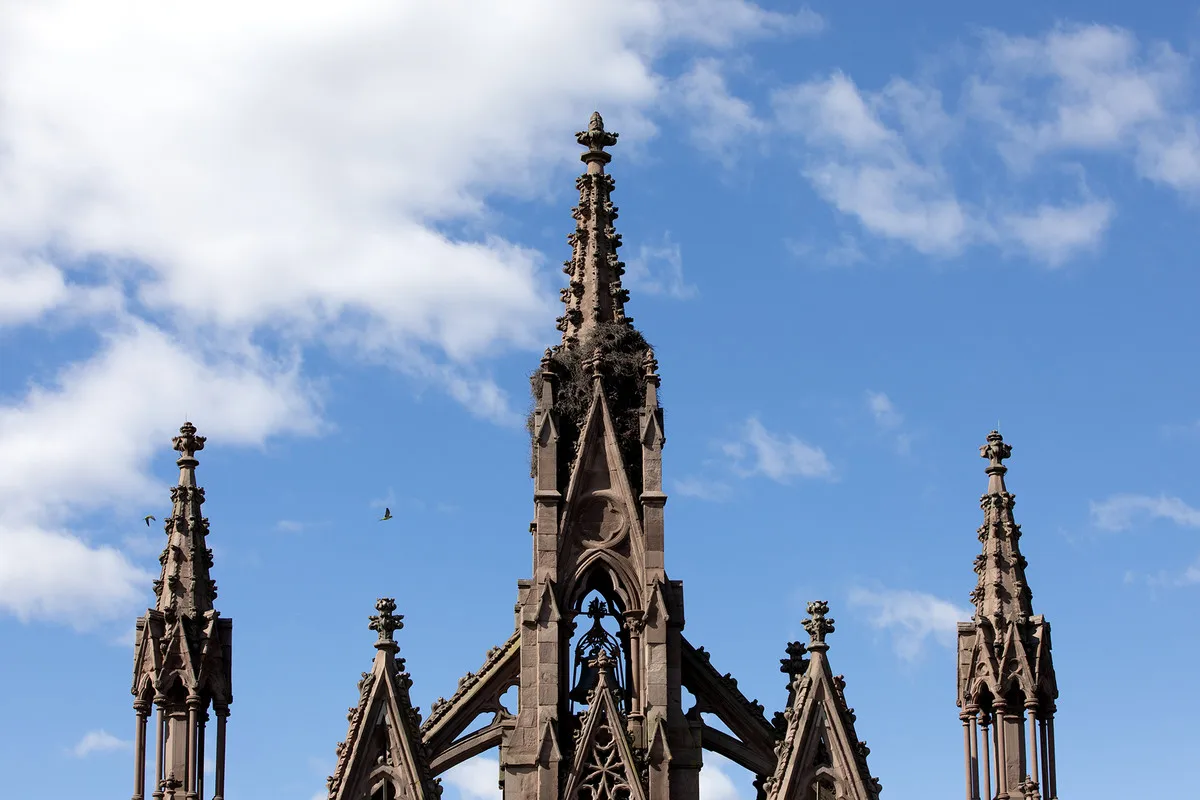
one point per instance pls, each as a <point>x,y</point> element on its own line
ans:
<point>623,350</point>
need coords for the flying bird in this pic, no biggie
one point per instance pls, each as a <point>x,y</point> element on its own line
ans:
<point>147,519</point>
<point>387,514</point>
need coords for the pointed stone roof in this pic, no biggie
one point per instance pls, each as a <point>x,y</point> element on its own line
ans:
<point>1002,593</point>
<point>598,340</point>
<point>384,739</point>
<point>183,644</point>
<point>185,584</point>
<point>1005,645</point>
<point>819,746</point>
<point>594,294</point>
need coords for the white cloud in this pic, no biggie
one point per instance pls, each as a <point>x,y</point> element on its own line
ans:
<point>884,411</point>
<point>718,121</point>
<point>865,168</point>
<point>702,489</point>
<point>100,741</point>
<point>1084,87</point>
<point>1119,512</point>
<point>658,269</point>
<point>913,617</point>
<point>119,409</point>
<point>183,185</point>
<point>1054,234</point>
<point>888,159</point>
<point>779,457</point>
<point>477,777</point>
<point>715,783</point>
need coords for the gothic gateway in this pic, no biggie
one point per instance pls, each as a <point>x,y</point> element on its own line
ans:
<point>598,653</point>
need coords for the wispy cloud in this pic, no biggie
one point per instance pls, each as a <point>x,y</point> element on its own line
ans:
<point>889,157</point>
<point>100,741</point>
<point>1120,512</point>
<point>702,489</point>
<point>889,420</point>
<point>719,121</point>
<point>658,269</point>
<point>780,457</point>
<point>913,618</point>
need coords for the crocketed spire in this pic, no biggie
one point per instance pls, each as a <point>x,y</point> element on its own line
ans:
<point>185,584</point>
<point>1001,594</point>
<point>594,294</point>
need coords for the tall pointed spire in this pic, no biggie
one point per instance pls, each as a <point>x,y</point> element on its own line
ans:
<point>1006,683</point>
<point>1002,593</point>
<point>183,650</point>
<point>185,584</point>
<point>594,294</point>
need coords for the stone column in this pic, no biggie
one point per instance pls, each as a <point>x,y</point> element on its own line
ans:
<point>203,721</point>
<point>219,777</point>
<point>189,764</point>
<point>987,759</point>
<point>1045,756</point>
<point>160,751</point>
<point>139,750</point>
<point>1001,733</point>
<point>966,721</point>
<point>1051,768</point>
<point>1032,745</point>
<point>974,746</point>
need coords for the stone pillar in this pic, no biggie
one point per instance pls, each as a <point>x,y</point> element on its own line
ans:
<point>160,750</point>
<point>1051,768</point>
<point>974,752</point>
<point>139,750</point>
<point>189,763</point>
<point>1001,751</point>
<point>987,758</point>
<point>1045,756</point>
<point>1032,744</point>
<point>967,756</point>
<point>203,721</point>
<point>219,777</point>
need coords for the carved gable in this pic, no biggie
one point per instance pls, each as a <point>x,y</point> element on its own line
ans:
<point>604,767</point>
<point>383,755</point>
<point>601,514</point>
<point>820,753</point>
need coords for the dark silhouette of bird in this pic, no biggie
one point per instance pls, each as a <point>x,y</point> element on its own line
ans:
<point>387,514</point>
<point>147,519</point>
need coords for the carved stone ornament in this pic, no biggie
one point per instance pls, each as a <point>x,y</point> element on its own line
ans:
<point>602,521</point>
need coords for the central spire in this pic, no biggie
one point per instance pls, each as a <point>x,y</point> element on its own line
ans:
<point>594,294</point>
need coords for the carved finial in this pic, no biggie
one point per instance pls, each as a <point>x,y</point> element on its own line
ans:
<point>187,442</point>
<point>591,364</point>
<point>650,363</point>
<point>385,622</point>
<point>995,451</point>
<point>546,366</point>
<point>818,625</point>
<point>595,139</point>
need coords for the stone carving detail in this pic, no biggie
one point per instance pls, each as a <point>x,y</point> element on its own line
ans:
<point>602,521</point>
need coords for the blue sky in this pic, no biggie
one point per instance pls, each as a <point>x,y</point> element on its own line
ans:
<point>857,238</point>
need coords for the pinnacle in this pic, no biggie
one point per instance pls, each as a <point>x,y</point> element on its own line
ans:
<point>185,585</point>
<point>594,295</point>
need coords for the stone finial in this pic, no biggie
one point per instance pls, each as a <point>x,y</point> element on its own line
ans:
<point>546,366</point>
<point>187,442</point>
<point>595,139</point>
<point>591,364</point>
<point>818,625</point>
<point>650,364</point>
<point>995,451</point>
<point>386,622</point>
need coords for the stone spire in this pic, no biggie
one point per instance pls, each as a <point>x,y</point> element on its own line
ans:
<point>1001,593</point>
<point>594,294</point>
<point>183,650</point>
<point>185,584</point>
<point>1006,683</point>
